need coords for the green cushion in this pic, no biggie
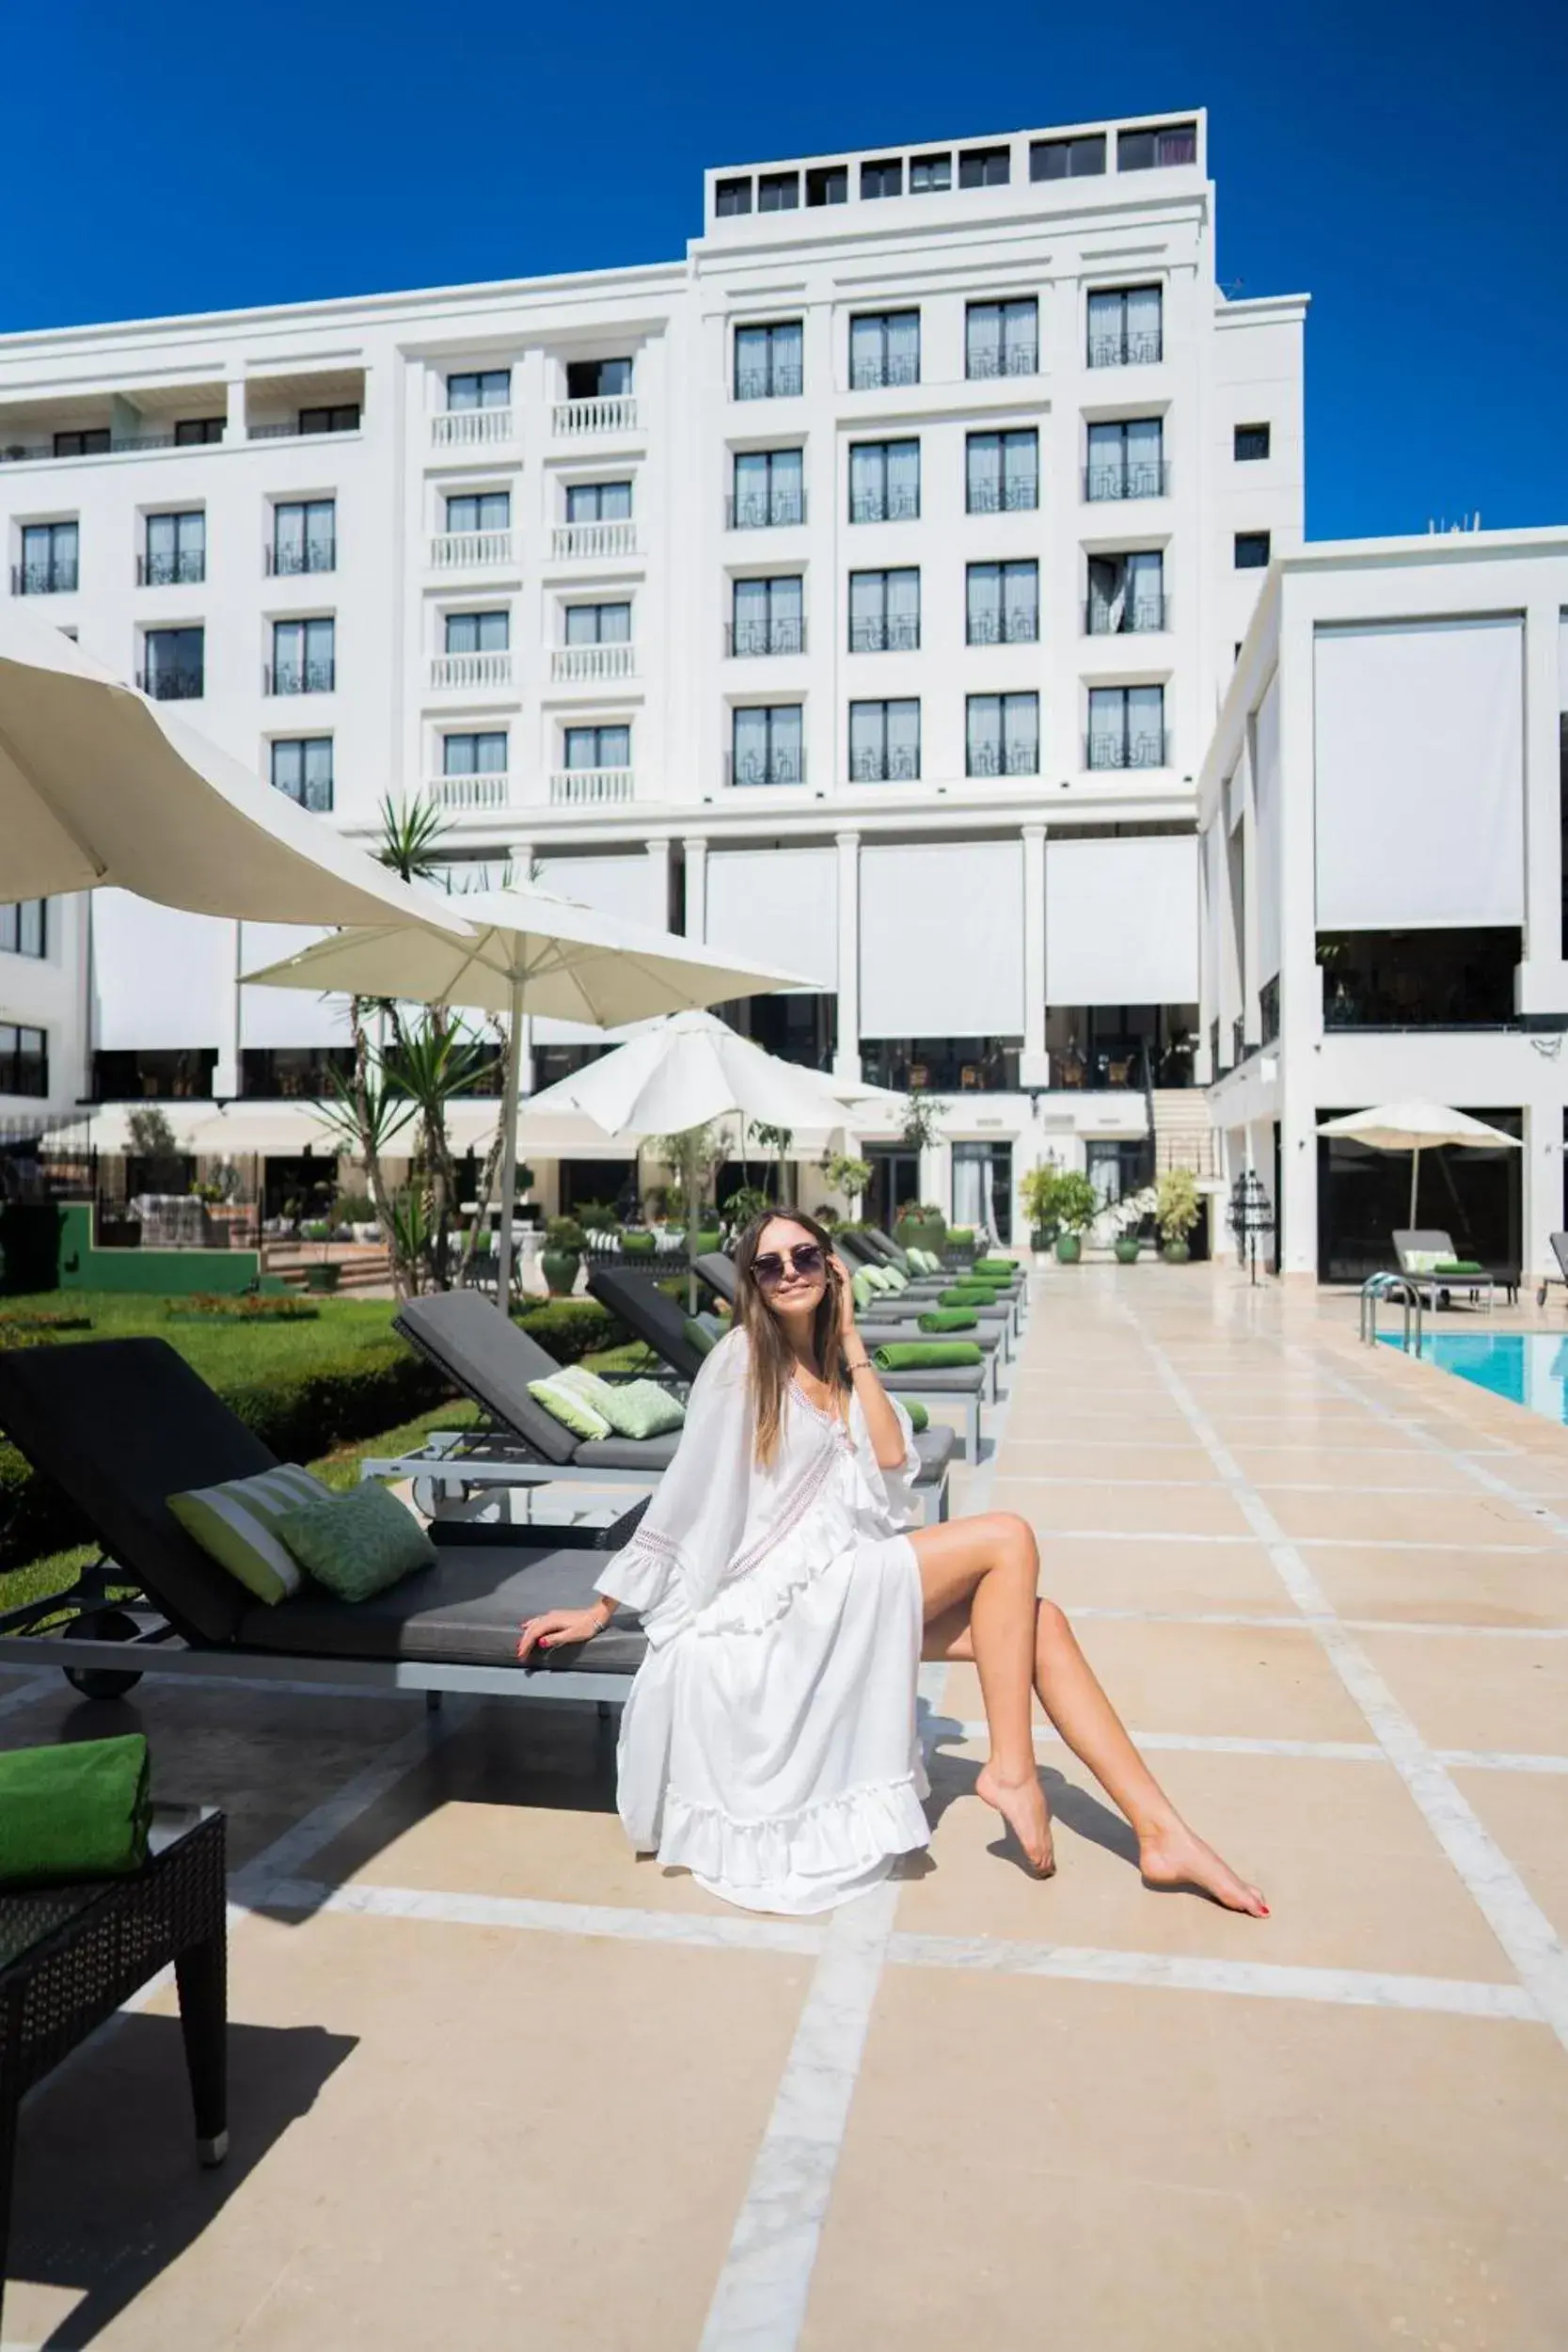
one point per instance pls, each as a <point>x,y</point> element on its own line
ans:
<point>923,1260</point>
<point>360,1543</point>
<point>925,1355</point>
<point>563,1400</point>
<point>641,1408</point>
<point>881,1277</point>
<point>949,1319</point>
<point>897,1280</point>
<point>699,1330</point>
<point>915,1407</point>
<point>239,1525</point>
<point>1459,1266</point>
<point>862,1289</point>
<point>1422,1261</point>
<point>76,1811</point>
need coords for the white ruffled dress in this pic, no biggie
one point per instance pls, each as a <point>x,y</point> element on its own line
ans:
<point>770,1744</point>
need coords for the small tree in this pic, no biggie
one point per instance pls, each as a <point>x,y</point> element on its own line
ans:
<point>922,1122</point>
<point>1075,1201</point>
<point>1177,1208</point>
<point>1039,1198</point>
<point>781,1141</point>
<point>848,1176</point>
<point>152,1142</point>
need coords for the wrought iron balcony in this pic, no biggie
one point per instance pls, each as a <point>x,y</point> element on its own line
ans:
<point>492,789</point>
<point>1131,478</point>
<point>181,570</point>
<point>1144,747</point>
<point>591,787</point>
<point>765,510</point>
<point>299,677</point>
<point>885,506</point>
<point>44,579</point>
<point>1128,349</point>
<point>878,375</point>
<point>587,542</point>
<point>1020,628</point>
<point>891,765</point>
<point>783,380</point>
<point>172,686</point>
<point>285,558</point>
<point>1004,759</point>
<point>1139,615</point>
<point>1003,498</point>
<point>897,632</point>
<point>744,639</point>
<point>1014,359</point>
<point>759,768</point>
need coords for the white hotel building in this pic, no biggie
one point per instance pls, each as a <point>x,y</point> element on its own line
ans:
<point>858,591</point>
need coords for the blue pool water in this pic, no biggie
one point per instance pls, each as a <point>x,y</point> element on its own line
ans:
<point>1529,1368</point>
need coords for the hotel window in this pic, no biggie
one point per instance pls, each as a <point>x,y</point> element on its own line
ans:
<point>598,502</point>
<point>1126,460</point>
<point>884,612</point>
<point>1252,551</point>
<point>175,664</point>
<point>1127,726</point>
<point>1125,328</point>
<point>48,566</point>
<point>1003,735</point>
<point>192,432</point>
<point>487,387</point>
<point>599,625</point>
<point>24,927</point>
<point>730,198</point>
<point>884,481</point>
<point>1003,604</point>
<point>303,657</point>
<point>338,416</point>
<point>770,488</point>
<point>767,615</point>
<point>1003,472</point>
<point>1068,159</point>
<point>1127,593</point>
<point>478,632</point>
<point>1251,442</point>
<point>93,442</point>
<point>482,754</point>
<point>930,174</point>
<point>828,183</point>
<point>23,1060</point>
<point>1002,338</point>
<point>779,192</point>
<point>769,361</point>
<point>1150,150</point>
<point>984,167</point>
<point>175,552</point>
<point>597,380</point>
<point>884,742</point>
<point>766,745</point>
<point>305,537</point>
<point>882,177</point>
<point>478,510</point>
<point>885,349</point>
<point>302,770</point>
<point>598,747</point>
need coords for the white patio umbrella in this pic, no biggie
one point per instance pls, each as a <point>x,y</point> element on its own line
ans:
<point>1417,1127</point>
<point>529,950</point>
<point>100,785</point>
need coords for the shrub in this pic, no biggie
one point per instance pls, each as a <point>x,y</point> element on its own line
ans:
<point>596,1216</point>
<point>353,1208</point>
<point>563,1233</point>
<point>41,1319</point>
<point>640,1244</point>
<point>1075,1203</point>
<point>1176,1204</point>
<point>241,1307</point>
<point>569,1328</point>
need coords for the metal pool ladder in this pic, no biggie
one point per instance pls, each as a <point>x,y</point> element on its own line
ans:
<point>1374,1291</point>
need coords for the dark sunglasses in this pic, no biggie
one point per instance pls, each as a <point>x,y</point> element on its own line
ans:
<point>768,1272</point>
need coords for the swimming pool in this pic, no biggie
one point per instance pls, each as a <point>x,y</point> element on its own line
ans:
<point>1528,1367</point>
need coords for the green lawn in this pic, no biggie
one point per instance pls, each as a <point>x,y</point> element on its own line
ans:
<point>222,1348</point>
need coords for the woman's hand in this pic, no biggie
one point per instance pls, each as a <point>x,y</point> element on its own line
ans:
<point>841,1284</point>
<point>556,1628</point>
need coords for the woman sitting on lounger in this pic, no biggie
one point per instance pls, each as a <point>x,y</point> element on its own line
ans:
<point>770,1743</point>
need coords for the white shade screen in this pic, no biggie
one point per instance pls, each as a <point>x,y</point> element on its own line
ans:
<point>942,939</point>
<point>1121,921</point>
<point>633,887</point>
<point>1210,852</point>
<point>1563,661</point>
<point>777,907</point>
<point>160,976</point>
<point>286,1016</point>
<point>1419,775</point>
<point>1265,787</point>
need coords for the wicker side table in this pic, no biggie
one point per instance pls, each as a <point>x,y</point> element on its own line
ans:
<point>71,1955</point>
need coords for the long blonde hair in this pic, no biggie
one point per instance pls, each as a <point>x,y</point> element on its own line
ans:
<point>771,1361</point>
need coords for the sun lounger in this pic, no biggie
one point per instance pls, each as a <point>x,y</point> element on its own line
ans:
<point>121,1425</point>
<point>1560,1251</point>
<point>890,1318</point>
<point>1430,1242</point>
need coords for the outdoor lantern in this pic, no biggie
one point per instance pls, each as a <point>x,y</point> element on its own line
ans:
<point>1250,1215</point>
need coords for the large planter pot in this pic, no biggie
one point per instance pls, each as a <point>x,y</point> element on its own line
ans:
<point>1069,1248</point>
<point>1126,1247</point>
<point>559,1269</point>
<point>1175,1252</point>
<point>321,1278</point>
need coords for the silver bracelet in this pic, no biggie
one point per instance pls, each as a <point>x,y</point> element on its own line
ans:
<point>865,1365</point>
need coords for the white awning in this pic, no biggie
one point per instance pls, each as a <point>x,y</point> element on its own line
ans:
<point>631,886</point>
<point>159,974</point>
<point>1121,921</point>
<point>942,939</point>
<point>776,906</point>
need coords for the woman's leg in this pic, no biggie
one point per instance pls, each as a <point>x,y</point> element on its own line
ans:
<point>981,1574</point>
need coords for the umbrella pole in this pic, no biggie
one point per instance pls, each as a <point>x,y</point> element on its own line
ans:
<point>509,1146</point>
<point>1415,1180</point>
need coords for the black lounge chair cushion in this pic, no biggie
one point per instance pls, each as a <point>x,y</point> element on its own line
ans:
<point>947,1380</point>
<point>879,1334</point>
<point>465,1612</point>
<point>935,1447</point>
<point>652,1455</point>
<point>487,1357</point>
<point>648,1313</point>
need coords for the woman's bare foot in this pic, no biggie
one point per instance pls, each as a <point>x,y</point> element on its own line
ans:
<point>1022,1807</point>
<point>1174,1856</point>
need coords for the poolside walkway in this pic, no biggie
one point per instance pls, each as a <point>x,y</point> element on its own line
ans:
<point>496,2084</point>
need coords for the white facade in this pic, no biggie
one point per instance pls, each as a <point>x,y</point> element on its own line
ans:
<point>1382,813</point>
<point>473,443</point>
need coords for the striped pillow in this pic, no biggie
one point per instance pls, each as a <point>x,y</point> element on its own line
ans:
<point>236,1524</point>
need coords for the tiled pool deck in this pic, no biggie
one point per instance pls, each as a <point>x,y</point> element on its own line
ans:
<point>495,2084</point>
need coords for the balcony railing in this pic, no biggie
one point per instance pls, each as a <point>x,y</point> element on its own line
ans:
<point>1137,478</point>
<point>878,375</point>
<point>1022,628</point>
<point>117,445</point>
<point>886,767</point>
<point>744,639</point>
<point>1003,498</point>
<point>574,665</point>
<point>1215,1070</point>
<point>284,562</point>
<point>897,632</point>
<point>574,543</point>
<point>766,510</point>
<point>299,677</point>
<point>469,550</point>
<point>293,431</point>
<point>615,412</point>
<point>1132,616</point>
<point>1139,349</point>
<point>44,579</point>
<point>1149,747</point>
<point>471,428</point>
<point>747,769</point>
<point>493,789</point>
<point>778,382</point>
<point>1016,359</point>
<point>183,569</point>
<point>1239,1049</point>
<point>170,685</point>
<point>1004,759</point>
<point>885,506</point>
<point>591,787</point>
<point>1267,1011</point>
<point>470,669</point>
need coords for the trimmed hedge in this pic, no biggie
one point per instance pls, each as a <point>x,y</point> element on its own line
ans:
<point>570,1328</point>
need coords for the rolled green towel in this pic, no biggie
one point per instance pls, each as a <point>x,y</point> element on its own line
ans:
<point>919,1418</point>
<point>77,1811</point>
<point>925,1355</point>
<point>949,1319</point>
<point>1003,1266</point>
<point>1459,1266</point>
<point>966,1295</point>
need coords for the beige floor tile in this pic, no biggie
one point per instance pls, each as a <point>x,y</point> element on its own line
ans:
<point>1257,1684</point>
<point>1139,1573</point>
<point>1411,1467</point>
<point>1129,1461</point>
<point>1478,1695</point>
<point>1527,1815</point>
<point>1444,1587</point>
<point>1350,1517</point>
<point>1137,1510</point>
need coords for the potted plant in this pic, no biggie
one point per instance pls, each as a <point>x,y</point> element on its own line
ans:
<point>561,1255</point>
<point>1177,1210</point>
<point>1126,1248</point>
<point>1076,1205</point>
<point>1039,1205</point>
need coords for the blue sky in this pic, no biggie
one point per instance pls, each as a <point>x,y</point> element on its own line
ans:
<point>1406,164</point>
